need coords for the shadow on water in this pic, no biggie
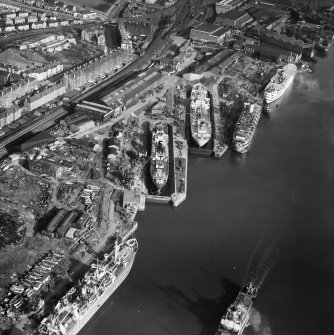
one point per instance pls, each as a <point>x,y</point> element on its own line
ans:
<point>208,310</point>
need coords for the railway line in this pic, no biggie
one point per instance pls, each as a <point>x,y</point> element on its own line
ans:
<point>186,11</point>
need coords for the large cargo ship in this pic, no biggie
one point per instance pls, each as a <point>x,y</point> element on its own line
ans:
<point>246,126</point>
<point>280,82</point>
<point>80,303</point>
<point>237,316</point>
<point>159,154</point>
<point>200,122</point>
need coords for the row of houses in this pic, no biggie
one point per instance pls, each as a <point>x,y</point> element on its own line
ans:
<point>39,41</point>
<point>44,96</point>
<point>45,71</point>
<point>9,115</point>
<point>37,25</point>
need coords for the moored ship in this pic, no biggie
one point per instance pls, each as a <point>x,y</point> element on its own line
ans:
<point>246,126</point>
<point>200,121</point>
<point>80,303</point>
<point>237,316</point>
<point>159,154</point>
<point>280,82</point>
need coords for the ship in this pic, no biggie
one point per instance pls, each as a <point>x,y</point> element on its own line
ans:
<point>280,82</point>
<point>246,126</point>
<point>200,122</point>
<point>80,303</point>
<point>159,154</point>
<point>237,316</point>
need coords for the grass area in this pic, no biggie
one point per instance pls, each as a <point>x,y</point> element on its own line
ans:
<point>13,57</point>
<point>76,54</point>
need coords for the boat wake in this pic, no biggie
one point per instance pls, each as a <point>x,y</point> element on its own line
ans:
<point>264,257</point>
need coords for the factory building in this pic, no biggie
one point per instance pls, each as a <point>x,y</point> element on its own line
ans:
<point>42,138</point>
<point>234,18</point>
<point>208,32</point>
<point>63,221</point>
<point>271,53</point>
<point>97,112</point>
<point>283,42</point>
<point>219,62</point>
<point>134,88</point>
<point>227,5</point>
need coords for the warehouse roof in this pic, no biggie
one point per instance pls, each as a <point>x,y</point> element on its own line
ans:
<point>207,27</point>
<point>233,14</point>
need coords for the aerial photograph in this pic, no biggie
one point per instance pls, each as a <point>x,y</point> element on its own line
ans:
<point>166,167</point>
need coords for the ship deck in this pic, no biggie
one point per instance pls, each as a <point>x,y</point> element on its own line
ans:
<point>207,149</point>
<point>168,189</point>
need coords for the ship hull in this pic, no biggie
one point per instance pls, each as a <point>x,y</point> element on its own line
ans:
<point>242,146</point>
<point>162,160</point>
<point>238,314</point>
<point>102,299</point>
<point>200,142</point>
<point>273,96</point>
<point>276,95</point>
<point>200,121</point>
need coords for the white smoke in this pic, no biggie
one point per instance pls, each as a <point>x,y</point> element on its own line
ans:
<point>260,323</point>
<point>307,85</point>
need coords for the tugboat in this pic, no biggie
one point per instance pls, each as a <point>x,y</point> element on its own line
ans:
<point>237,316</point>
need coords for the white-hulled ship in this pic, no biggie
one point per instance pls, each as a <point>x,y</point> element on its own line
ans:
<point>80,303</point>
<point>200,122</point>
<point>280,82</point>
<point>237,316</point>
<point>246,126</point>
<point>159,154</point>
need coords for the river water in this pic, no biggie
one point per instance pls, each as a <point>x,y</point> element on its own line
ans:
<point>271,207</point>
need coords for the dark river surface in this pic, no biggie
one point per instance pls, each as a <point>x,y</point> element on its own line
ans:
<point>244,215</point>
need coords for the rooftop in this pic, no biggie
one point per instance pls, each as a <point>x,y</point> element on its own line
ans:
<point>207,27</point>
<point>233,14</point>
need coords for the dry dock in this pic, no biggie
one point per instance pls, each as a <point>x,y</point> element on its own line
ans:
<point>180,170</point>
<point>220,146</point>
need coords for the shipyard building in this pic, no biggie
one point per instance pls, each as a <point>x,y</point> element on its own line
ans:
<point>227,5</point>
<point>208,32</point>
<point>234,18</point>
<point>97,112</point>
<point>134,89</point>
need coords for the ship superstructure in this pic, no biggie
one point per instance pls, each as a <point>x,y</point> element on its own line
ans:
<point>80,303</point>
<point>237,316</point>
<point>280,82</point>
<point>200,122</point>
<point>159,154</point>
<point>246,126</point>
